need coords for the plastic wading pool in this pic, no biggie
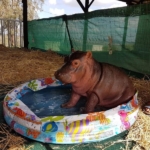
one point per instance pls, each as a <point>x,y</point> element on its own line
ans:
<point>33,110</point>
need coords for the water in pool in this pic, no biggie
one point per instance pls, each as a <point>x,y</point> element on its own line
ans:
<point>47,102</point>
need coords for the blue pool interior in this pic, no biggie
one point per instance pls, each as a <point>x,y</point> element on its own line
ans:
<point>47,102</point>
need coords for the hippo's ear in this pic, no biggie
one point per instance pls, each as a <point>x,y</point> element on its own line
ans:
<point>89,54</point>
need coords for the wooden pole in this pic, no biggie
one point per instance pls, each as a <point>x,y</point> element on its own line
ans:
<point>87,5</point>
<point>81,5</point>
<point>25,23</point>
<point>85,32</point>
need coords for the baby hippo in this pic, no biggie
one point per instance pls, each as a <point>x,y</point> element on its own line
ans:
<point>104,85</point>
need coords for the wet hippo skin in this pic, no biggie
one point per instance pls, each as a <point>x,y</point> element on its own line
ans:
<point>104,85</point>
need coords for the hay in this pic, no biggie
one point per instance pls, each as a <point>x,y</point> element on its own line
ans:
<point>22,147</point>
<point>21,65</point>
<point>9,140</point>
<point>143,88</point>
<point>140,131</point>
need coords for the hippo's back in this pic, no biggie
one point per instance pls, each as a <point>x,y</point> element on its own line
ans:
<point>114,87</point>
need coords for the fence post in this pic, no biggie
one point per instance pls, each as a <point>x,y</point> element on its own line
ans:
<point>15,33</point>
<point>66,21</point>
<point>25,23</point>
<point>85,33</point>
<point>20,33</point>
<point>1,32</point>
<point>125,32</point>
<point>8,33</point>
<point>4,34</point>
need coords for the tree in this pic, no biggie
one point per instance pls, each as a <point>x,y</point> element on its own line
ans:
<point>12,9</point>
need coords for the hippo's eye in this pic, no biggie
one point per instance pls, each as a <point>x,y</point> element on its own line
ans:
<point>75,63</point>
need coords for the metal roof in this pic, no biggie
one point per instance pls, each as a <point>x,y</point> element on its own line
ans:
<point>134,2</point>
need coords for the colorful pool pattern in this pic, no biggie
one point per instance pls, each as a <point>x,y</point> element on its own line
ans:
<point>82,128</point>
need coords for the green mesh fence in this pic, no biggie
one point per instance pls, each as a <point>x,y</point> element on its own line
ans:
<point>119,36</point>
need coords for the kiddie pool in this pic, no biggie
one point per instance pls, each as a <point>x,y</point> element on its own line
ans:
<point>33,110</point>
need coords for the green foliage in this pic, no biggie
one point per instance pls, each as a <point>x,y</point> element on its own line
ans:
<point>12,9</point>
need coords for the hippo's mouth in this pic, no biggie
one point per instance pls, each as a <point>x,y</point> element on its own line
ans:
<point>64,78</point>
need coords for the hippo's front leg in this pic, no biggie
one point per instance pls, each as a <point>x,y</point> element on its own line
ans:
<point>73,100</point>
<point>92,102</point>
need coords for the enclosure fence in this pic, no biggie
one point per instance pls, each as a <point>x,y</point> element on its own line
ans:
<point>11,33</point>
<point>120,36</point>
